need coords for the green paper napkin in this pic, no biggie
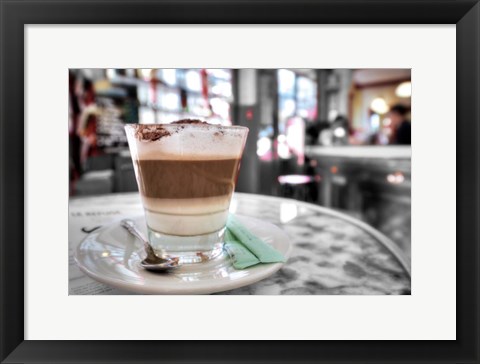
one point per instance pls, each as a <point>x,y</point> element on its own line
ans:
<point>247,249</point>
<point>241,256</point>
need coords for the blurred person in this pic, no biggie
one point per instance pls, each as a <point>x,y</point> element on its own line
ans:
<point>313,131</point>
<point>340,130</point>
<point>73,118</point>
<point>401,129</point>
<point>87,124</point>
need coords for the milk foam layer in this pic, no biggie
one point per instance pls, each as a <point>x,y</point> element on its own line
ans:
<point>188,142</point>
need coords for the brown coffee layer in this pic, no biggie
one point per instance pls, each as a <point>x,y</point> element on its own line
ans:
<point>187,178</point>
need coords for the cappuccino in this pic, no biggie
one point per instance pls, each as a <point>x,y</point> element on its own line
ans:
<point>186,173</point>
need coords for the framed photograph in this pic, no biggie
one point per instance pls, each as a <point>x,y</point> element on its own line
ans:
<point>239,181</point>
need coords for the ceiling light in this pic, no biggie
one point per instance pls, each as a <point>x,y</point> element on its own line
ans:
<point>404,89</point>
<point>379,105</point>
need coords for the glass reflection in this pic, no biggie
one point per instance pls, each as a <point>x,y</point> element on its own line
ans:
<point>288,211</point>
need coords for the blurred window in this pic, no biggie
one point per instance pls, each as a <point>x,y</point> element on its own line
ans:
<point>168,99</point>
<point>193,80</point>
<point>220,73</point>
<point>287,107</point>
<point>143,93</point>
<point>297,96</point>
<point>167,117</point>
<point>220,87</point>
<point>146,115</point>
<point>306,98</point>
<point>168,76</point>
<point>197,106</point>
<point>286,83</point>
<point>173,94</point>
<point>220,95</point>
<point>220,107</point>
<point>145,73</point>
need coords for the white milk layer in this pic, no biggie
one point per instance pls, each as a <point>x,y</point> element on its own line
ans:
<point>187,206</point>
<point>186,225</point>
<point>186,217</point>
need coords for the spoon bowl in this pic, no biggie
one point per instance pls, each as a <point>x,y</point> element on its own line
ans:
<point>152,262</point>
<point>161,265</point>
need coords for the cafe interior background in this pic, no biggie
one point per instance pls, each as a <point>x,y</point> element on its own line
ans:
<point>338,138</point>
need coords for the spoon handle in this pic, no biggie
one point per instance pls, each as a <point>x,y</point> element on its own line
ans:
<point>132,228</point>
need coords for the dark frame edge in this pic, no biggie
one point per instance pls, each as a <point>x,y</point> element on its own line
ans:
<point>11,181</point>
<point>468,182</point>
<point>13,348</point>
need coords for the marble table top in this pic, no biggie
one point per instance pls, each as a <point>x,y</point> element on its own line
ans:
<point>333,254</point>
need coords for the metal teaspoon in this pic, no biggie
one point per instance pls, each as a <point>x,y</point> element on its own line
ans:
<point>152,262</point>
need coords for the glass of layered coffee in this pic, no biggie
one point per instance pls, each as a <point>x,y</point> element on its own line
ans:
<point>186,174</point>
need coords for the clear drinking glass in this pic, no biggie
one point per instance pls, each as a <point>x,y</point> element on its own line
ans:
<point>186,175</point>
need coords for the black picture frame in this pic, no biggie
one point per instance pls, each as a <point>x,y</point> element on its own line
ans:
<point>15,14</point>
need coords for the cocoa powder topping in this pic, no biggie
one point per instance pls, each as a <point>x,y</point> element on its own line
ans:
<point>190,121</point>
<point>146,132</point>
<point>153,132</point>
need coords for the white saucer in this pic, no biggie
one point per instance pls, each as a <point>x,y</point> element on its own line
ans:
<point>109,255</point>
